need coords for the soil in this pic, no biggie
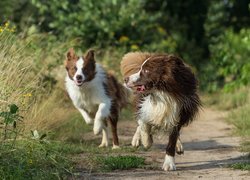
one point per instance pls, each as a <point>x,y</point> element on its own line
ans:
<point>209,149</point>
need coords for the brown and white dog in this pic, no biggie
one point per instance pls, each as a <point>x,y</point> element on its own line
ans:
<point>96,94</point>
<point>166,99</point>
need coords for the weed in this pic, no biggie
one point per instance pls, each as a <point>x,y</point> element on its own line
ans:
<point>110,163</point>
<point>242,165</point>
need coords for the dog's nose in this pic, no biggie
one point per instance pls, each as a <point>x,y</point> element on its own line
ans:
<point>79,77</point>
<point>126,79</point>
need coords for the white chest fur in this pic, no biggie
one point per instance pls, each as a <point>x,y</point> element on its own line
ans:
<point>90,94</point>
<point>159,109</point>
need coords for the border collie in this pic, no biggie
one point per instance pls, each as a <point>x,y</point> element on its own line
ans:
<point>96,94</point>
<point>166,99</point>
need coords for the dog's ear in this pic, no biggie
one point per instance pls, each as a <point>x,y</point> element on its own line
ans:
<point>90,55</point>
<point>70,54</point>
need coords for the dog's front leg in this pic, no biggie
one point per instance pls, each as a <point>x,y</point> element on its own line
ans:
<point>102,113</point>
<point>105,138</point>
<point>169,162</point>
<point>136,138</point>
<point>146,136</point>
<point>85,116</point>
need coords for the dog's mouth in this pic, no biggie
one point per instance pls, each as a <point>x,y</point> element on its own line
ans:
<point>79,82</point>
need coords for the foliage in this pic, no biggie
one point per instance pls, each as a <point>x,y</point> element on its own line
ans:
<point>231,58</point>
<point>117,22</point>
<point>120,162</point>
<point>242,165</point>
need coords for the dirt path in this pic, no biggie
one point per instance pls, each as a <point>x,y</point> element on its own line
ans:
<point>209,148</point>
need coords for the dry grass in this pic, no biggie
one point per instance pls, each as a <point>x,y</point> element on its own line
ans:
<point>31,78</point>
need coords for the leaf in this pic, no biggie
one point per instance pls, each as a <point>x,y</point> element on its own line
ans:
<point>13,108</point>
<point>35,134</point>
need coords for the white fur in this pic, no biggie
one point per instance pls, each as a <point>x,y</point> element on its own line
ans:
<point>104,142</point>
<point>90,98</point>
<point>159,109</point>
<point>136,138</point>
<point>169,164</point>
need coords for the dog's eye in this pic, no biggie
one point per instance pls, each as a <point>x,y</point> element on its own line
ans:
<point>145,71</point>
<point>75,68</point>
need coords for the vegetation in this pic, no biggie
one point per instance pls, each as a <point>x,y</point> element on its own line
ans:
<point>120,162</point>
<point>211,35</point>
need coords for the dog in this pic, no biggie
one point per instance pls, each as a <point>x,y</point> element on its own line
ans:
<point>166,99</point>
<point>95,93</point>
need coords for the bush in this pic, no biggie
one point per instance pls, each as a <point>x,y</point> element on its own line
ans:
<point>118,22</point>
<point>230,57</point>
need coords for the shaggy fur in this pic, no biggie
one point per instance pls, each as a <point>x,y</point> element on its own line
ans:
<point>166,98</point>
<point>96,94</point>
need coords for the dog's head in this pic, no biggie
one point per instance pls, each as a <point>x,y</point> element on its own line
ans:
<point>156,72</point>
<point>80,69</point>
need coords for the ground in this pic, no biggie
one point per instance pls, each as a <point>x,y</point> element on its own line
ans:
<point>209,148</point>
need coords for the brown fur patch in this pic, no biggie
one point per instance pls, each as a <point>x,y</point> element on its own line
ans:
<point>70,62</point>
<point>131,62</point>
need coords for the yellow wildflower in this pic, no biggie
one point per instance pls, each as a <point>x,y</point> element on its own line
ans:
<point>27,95</point>
<point>134,47</point>
<point>123,39</point>
<point>6,25</point>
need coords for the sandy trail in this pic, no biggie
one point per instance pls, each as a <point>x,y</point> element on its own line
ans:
<point>209,148</point>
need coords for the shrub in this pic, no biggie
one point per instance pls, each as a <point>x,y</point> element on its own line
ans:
<point>230,57</point>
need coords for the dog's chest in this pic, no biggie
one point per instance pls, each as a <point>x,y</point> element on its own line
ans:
<point>86,98</point>
<point>159,109</point>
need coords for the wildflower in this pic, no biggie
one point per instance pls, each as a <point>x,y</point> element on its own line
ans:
<point>134,47</point>
<point>27,95</point>
<point>123,39</point>
<point>6,25</point>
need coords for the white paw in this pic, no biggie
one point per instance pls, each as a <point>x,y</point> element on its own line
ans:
<point>98,126</point>
<point>103,145</point>
<point>89,121</point>
<point>169,164</point>
<point>135,141</point>
<point>116,147</point>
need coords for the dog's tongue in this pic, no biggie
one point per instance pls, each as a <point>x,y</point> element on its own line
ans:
<point>141,88</point>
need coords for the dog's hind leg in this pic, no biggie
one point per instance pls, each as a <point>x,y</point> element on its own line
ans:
<point>179,147</point>
<point>113,119</point>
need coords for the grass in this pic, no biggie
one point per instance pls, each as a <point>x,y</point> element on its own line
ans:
<point>34,160</point>
<point>111,163</point>
<point>242,166</point>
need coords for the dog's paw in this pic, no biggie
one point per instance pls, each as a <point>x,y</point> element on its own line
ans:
<point>179,148</point>
<point>135,141</point>
<point>103,145</point>
<point>116,147</point>
<point>169,164</point>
